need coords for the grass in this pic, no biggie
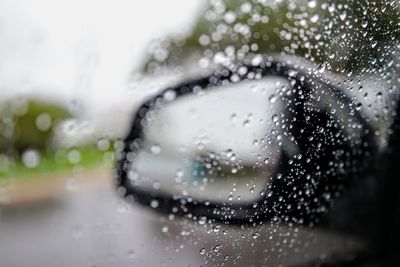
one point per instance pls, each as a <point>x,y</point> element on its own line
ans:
<point>55,162</point>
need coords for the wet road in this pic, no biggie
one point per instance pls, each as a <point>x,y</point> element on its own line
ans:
<point>95,227</point>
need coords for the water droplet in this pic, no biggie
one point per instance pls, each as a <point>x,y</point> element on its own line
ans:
<point>256,235</point>
<point>164,229</point>
<point>343,15</point>
<point>154,204</point>
<point>155,149</point>
<point>322,67</point>
<point>43,122</point>
<point>156,185</point>
<point>169,95</point>
<point>202,251</point>
<point>364,24</point>
<point>31,158</point>
<point>72,185</point>
<point>256,60</point>
<point>332,7</point>
<point>202,220</point>
<point>179,173</point>
<point>314,18</point>
<point>246,7</point>
<point>312,3</point>
<point>230,17</point>
<point>103,144</point>
<point>74,156</point>
<point>204,40</point>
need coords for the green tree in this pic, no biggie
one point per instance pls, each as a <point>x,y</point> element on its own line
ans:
<point>28,124</point>
<point>348,35</point>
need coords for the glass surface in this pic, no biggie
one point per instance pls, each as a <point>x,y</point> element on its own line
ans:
<point>221,144</point>
<point>74,72</point>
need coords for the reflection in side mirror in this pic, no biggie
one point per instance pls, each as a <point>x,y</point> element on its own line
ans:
<point>278,144</point>
<point>219,145</point>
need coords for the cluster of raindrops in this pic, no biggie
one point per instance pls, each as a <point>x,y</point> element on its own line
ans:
<point>326,33</point>
<point>349,52</point>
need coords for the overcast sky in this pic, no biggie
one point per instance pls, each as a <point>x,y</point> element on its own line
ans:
<point>81,49</point>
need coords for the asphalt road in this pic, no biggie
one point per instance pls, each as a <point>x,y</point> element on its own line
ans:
<point>93,226</point>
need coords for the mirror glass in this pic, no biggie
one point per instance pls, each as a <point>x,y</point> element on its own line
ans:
<point>221,144</point>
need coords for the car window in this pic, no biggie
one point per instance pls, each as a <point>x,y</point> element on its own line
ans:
<point>199,133</point>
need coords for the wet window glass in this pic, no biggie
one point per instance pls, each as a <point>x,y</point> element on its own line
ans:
<point>199,133</point>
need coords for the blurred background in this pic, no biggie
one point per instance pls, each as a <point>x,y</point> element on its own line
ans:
<point>68,86</point>
<point>68,81</point>
<point>71,74</point>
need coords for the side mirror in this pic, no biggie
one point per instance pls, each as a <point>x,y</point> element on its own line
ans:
<point>263,142</point>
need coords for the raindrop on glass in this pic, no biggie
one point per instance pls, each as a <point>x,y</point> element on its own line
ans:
<point>154,204</point>
<point>155,149</point>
